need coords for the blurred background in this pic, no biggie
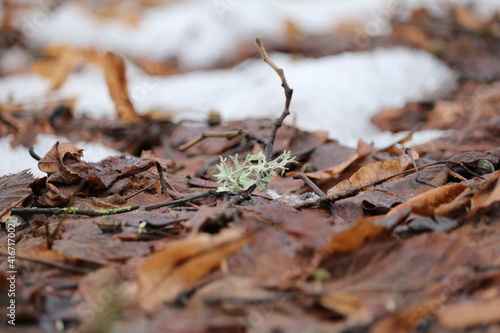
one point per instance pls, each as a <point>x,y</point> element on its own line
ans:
<point>346,59</point>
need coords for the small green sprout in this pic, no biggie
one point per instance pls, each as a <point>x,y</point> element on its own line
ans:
<point>142,226</point>
<point>255,169</point>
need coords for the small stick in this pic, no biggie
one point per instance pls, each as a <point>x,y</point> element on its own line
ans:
<point>73,210</point>
<point>138,192</point>
<point>310,183</point>
<point>224,134</point>
<point>241,196</point>
<point>162,179</point>
<point>179,201</point>
<point>50,264</point>
<point>315,189</point>
<point>267,143</point>
<point>268,150</point>
<point>418,179</point>
<point>31,150</point>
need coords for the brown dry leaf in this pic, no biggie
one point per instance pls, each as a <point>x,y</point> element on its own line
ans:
<point>116,78</point>
<point>488,194</point>
<point>60,64</point>
<point>369,174</point>
<point>14,189</point>
<point>59,158</point>
<point>470,313</point>
<point>403,119</point>
<point>166,274</point>
<point>426,203</point>
<point>329,173</point>
<point>343,303</point>
<point>65,65</point>
<point>362,232</point>
<point>466,17</point>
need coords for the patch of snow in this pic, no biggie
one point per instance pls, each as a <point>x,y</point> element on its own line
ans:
<point>14,60</point>
<point>201,33</point>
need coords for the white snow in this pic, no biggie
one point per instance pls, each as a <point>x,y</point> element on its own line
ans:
<point>338,94</point>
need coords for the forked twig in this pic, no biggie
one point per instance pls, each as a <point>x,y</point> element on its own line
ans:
<point>267,143</point>
<point>224,134</point>
<point>268,149</point>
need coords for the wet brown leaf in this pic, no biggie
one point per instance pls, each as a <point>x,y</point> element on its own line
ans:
<point>368,174</point>
<point>470,313</point>
<point>488,194</point>
<point>426,203</point>
<point>14,189</point>
<point>166,274</point>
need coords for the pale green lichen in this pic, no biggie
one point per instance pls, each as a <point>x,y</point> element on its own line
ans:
<point>255,169</point>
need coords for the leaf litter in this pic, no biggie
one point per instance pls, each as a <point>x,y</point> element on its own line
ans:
<point>384,245</point>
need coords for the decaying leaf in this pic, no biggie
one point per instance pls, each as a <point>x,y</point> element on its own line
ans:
<point>68,174</point>
<point>470,313</point>
<point>60,159</point>
<point>166,274</point>
<point>368,174</point>
<point>14,189</point>
<point>426,203</point>
<point>116,78</point>
<point>342,303</point>
<point>488,194</point>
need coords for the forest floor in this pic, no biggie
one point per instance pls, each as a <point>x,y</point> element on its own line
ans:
<point>393,239</point>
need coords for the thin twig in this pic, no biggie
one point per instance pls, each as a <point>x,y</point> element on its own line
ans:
<point>162,179</point>
<point>138,192</point>
<point>50,264</point>
<point>73,210</point>
<point>310,183</point>
<point>268,150</point>
<point>180,201</point>
<point>224,134</point>
<point>33,154</point>
<point>267,143</point>
<point>241,196</point>
<point>355,191</point>
<point>418,178</point>
<point>315,189</point>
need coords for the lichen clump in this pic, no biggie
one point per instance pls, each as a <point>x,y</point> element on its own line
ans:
<point>255,169</point>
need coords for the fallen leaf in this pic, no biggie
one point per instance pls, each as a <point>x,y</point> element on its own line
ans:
<point>364,231</point>
<point>14,189</point>
<point>342,303</point>
<point>470,313</point>
<point>426,203</point>
<point>116,78</point>
<point>166,274</point>
<point>59,159</point>
<point>488,194</point>
<point>368,174</point>
<point>466,17</point>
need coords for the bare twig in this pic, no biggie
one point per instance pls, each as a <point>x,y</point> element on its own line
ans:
<point>418,177</point>
<point>268,149</point>
<point>310,183</point>
<point>72,210</point>
<point>33,154</point>
<point>241,196</point>
<point>180,201</point>
<point>315,189</point>
<point>224,134</point>
<point>355,191</point>
<point>267,143</point>
<point>50,264</point>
